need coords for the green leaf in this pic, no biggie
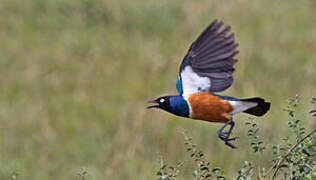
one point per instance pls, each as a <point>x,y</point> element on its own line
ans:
<point>313,111</point>
<point>204,169</point>
<point>306,151</point>
<point>216,169</point>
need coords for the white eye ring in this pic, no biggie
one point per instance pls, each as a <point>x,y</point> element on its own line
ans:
<point>162,100</point>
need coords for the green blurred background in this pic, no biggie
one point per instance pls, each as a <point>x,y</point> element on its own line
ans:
<point>75,76</point>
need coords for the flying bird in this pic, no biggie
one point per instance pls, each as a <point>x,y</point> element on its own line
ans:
<point>206,69</point>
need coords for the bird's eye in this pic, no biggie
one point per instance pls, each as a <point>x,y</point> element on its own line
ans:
<point>162,100</point>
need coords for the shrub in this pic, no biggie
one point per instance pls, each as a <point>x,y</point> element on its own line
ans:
<point>293,158</point>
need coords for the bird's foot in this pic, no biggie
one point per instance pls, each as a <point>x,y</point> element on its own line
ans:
<point>224,136</point>
<point>227,142</point>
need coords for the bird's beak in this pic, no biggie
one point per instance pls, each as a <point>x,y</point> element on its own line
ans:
<point>153,106</point>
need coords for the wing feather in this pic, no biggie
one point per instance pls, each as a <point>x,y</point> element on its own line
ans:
<point>211,56</point>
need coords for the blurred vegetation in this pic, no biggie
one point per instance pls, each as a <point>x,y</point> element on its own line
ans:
<point>293,158</point>
<point>75,76</point>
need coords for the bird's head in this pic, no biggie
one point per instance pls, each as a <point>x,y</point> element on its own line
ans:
<point>161,103</point>
<point>173,104</point>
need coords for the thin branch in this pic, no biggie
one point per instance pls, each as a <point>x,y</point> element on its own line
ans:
<point>292,148</point>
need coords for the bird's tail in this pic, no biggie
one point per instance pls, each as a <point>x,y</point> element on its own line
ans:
<point>260,109</point>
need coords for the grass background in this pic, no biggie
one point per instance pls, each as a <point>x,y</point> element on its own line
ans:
<point>75,76</point>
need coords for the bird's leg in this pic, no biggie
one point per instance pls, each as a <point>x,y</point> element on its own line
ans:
<point>221,133</point>
<point>225,135</point>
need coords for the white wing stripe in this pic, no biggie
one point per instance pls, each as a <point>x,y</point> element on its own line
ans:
<point>192,82</point>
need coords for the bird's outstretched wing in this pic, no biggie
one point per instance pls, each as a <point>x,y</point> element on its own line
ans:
<point>208,65</point>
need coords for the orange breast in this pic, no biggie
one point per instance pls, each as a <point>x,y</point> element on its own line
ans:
<point>207,107</point>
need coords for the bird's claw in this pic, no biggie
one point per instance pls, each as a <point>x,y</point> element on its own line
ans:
<point>230,145</point>
<point>232,139</point>
<point>224,136</point>
<point>227,141</point>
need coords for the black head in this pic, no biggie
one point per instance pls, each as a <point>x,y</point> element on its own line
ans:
<point>161,102</point>
<point>174,104</point>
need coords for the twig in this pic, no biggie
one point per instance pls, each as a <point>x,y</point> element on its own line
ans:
<point>293,147</point>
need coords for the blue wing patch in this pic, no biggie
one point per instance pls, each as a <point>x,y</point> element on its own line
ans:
<point>179,86</point>
<point>226,97</point>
